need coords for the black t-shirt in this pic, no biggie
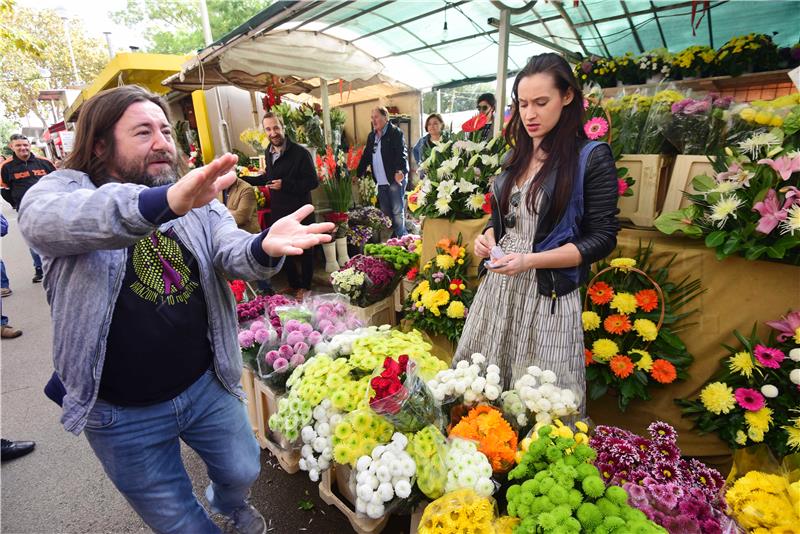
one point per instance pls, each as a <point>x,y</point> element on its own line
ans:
<point>158,341</point>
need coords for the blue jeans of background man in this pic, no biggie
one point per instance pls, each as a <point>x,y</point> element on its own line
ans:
<point>4,283</point>
<point>139,448</point>
<point>37,261</point>
<point>392,200</point>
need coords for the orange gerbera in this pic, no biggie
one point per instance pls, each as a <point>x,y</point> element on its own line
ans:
<point>663,371</point>
<point>647,299</point>
<point>617,324</point>
<point>601,293</point>
<point>621,366</point>
<point>588,357</point>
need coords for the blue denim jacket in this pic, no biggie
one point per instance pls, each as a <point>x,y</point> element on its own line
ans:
<point>83,232</point>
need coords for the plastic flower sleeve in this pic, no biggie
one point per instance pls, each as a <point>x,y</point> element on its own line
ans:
<point>400,395</point>
<point>459,511</point>
<point>276,361</point>
<point>548,396</point>
<point>428,448</point>
<point>470,382</point>
<point>331,314</point>
<point>316,454</point>
<point>468,468</point>
<point>383,480</point>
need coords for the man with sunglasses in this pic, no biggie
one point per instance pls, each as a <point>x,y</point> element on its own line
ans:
<point>486,105</point>
<point>387,155</point>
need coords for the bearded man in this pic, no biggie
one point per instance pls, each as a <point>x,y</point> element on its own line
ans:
<point>144,323</point>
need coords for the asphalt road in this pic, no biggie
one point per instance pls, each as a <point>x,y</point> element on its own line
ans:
<point>61,487</point>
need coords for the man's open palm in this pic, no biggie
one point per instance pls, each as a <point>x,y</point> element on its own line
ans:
<point>288,237</point>
<point>202,185</point>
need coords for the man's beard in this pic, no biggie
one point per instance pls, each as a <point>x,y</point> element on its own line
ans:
<point>277,140</point>
<point>136,172</point>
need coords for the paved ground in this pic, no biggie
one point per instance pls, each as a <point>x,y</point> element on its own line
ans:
<point>61,487</point>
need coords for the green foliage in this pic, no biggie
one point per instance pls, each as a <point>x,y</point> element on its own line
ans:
<point>175,27</point>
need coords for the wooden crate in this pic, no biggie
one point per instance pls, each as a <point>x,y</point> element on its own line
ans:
<point>266,405</point>
<point>361,525</point>
<point>250,393</point>
<point>416,517</point>
<point>685,169</point>
<point>381,312</point>
<point>650,171</point>
<point>404,289</point>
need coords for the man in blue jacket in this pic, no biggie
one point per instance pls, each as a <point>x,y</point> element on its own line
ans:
<point>144,324</point>
<point>387,155</point>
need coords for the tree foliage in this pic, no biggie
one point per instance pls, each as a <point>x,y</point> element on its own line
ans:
<point>175,27</point>
<point>35,57</point>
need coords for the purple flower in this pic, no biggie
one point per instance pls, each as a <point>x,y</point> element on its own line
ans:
<point>292,325</point>
<point>668,494</point>
<point>246,339</point>
<point>285,351</point>
<point>271,357</point>
<point>681,525</point>
<point>325,323</point>
<point>281,365</point>
<point>697,107</point>
<point>353,323</point>
<point>662,432</point>
<point>638,476</point>
<point>295,337</point>
<point>297,360</point>
<point>314,338</point>
<point>667,452</point>
<point>256,326</point>
<point>709,480</point>
<point>261,336</point>
<point>665,472</point>
<point>329,331</point>
<point>607,471</point>
<point>711,526</point>
<point>306,329</point>
<point>438,276</point>
<point>637,495</point>
<point>689,506</point>
<point>625,453</point>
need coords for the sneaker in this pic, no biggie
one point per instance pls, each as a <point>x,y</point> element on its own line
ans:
<point>6,291</point>
<point>247,520</point>
<point>9,332</point>
<point>37,277</point>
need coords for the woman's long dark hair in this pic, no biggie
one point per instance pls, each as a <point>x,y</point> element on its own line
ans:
<point>560,144</point>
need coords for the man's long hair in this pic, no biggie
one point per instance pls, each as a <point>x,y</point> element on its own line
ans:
<point>96,122</point>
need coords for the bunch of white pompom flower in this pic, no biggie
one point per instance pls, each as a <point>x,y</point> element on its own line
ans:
<point>342,344</point>
<point>514,407</point>
<point>468,468</point>
<point>389,471</point>
<point>317,451</point>
<point>541,396</point>
<point>469,380</point>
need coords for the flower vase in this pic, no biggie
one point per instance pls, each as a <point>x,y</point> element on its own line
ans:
<point>341,250</point>
<point>330,257</point>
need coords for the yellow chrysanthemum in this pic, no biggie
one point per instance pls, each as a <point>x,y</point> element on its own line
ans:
<point>741,437</point>
<point>434,299</point>
<point>456,310</point>
<point>759,420</point>
<point>623,264</point>
<point>604,349</point>
<point>718,398</point>
<point>624,303</point>
<point>646,329</point>
<point>755,434</point>
<point>645,362</point>
<point>445,261</point>
<point>591,321</point>
<point>797,336</point>
<point>742,363</point>
<point>793,439</point>
<point>420,290</point>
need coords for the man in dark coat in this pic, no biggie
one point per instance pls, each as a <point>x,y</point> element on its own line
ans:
<point>387,155</point>
<point>290,176</point>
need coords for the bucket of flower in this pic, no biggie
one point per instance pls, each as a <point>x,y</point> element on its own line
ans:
<point>369,283</point>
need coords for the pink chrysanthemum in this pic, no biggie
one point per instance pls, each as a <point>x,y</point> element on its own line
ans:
<point>596,128</point>
<point>662,432</point>
<point>749,399</point>
<point>622,186</point>
<point>769,357</point>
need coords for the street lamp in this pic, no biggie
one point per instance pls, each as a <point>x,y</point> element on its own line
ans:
<point>75,76</point>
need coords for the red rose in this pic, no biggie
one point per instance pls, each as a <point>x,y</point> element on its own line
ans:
<point>403,361</point>
<point>392,367</point>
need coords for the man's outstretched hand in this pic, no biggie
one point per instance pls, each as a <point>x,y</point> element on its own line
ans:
<point>202,185</point>
<point>288,237</point>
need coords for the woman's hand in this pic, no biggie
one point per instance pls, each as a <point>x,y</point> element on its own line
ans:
<point>513,263</point>
<point>484,243</point>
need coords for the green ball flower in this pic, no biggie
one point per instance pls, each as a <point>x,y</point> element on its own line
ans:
<point>575,498</point>
<point>547,521</point>
<point>593,486</point>
<point>617,495</point>
<point>608,508</point>
<point>586,470</point>
<point>558,495</point>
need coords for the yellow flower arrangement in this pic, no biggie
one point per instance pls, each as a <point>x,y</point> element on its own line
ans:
<point>623,264</point>
<point>645,362</point>
<point>604,349</point>
<point>445,261</point>
<point>456,310</point>
<point>763,501</point>
<point>759,420</point>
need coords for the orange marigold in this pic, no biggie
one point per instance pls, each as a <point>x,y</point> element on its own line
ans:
<point>621,366</point>
<point>663,371</point>
<point>617,324</point>
<point>496,439</point>
<point>601,293</point>
<point>588,356</point>
<point>647,299</point>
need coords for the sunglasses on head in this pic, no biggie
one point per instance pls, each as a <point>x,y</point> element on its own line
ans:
<point>511,218</point>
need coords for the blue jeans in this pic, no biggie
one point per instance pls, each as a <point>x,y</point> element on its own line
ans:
<point>3,276</point>
<point>37,261</point>
<point>392,200</point>
<point>139,448</point>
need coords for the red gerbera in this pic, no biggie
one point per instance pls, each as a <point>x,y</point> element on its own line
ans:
<point>601,293</point>
<point>455,286</point>
<point>647,299</point>
<point>663,371</point>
